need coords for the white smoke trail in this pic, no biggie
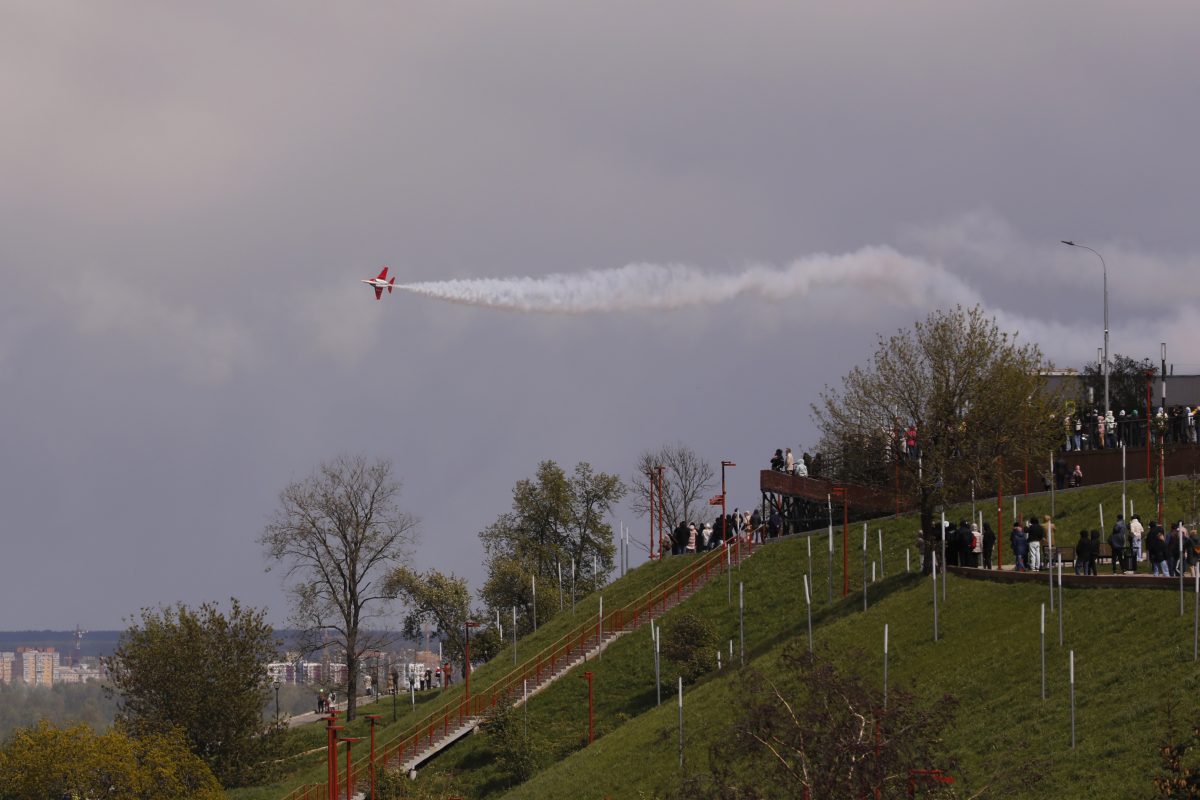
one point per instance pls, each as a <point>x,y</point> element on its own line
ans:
<point>882,270</point>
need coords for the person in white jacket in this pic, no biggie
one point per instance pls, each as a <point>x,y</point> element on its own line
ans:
<point>1136,530</point>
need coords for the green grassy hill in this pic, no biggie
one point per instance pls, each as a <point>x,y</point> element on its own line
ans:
<point>1132,651</point>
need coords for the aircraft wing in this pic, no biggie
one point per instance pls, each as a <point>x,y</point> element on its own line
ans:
<point>378,292</point>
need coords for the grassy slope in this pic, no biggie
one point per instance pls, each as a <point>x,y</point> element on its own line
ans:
<point>624,684</point>
<point>311,768</point>
<point>1131,647</point>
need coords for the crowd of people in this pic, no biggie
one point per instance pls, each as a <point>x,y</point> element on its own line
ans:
<point>805,467</point>
<point>1096,430</point>
<point>1168,552</point>
<point>749,526</point>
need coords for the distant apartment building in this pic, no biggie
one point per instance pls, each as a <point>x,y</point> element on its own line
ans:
<point>37,666</point>
<point>76,673</point>
<point>8,662</point>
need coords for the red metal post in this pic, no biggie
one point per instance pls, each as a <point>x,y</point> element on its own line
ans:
<point>331,729</point>
<point>350,766</point>
<point>372,719</point>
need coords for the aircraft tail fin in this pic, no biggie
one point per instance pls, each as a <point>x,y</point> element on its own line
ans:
<point>383,274</point>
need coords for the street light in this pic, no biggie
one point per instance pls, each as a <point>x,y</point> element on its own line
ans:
<point>724,513</point>
<point>1103,266</point>
<point>277,701</point>
<point>470,624</point>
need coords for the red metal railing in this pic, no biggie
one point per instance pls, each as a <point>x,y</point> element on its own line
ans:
<point>564,650</point>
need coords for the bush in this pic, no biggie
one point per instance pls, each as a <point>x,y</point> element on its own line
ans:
<point>689,644</point>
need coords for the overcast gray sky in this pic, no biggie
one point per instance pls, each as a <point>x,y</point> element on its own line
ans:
<point>189,194</point>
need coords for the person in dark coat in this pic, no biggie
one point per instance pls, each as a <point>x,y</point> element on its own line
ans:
<point>1020,547</point>
<point>1093,552</point>
<point>989,543</point>
<point>1156,548</point>
<point>966,545</point>
<point>1082,548</point>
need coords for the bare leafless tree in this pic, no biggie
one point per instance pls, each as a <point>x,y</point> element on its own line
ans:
<point>687,480</point>
<point>336,536</point>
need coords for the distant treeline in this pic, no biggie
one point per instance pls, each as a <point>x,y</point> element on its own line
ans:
<point>102,643</point>
<point>65,704</point>
<point>95,643</point>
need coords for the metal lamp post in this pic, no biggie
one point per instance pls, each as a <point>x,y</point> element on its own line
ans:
<point>467,659</point>
<point>276,685</point>
<point>724,513</point>
<point>1104,267</point>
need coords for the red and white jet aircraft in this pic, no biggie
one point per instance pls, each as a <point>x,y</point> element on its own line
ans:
<point>380,283</point>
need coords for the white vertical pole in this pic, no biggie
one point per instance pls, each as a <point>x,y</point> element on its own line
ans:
<point>1072,699</point>
<point>572,584</point>
<point>742,619</point>
<point>881,571</point>
<point>600,629</point>
<point>872,572</point>
<point>681,722</point>
<point>657,679</point>
<point>829,584</point>
<point>595,571</point>
<point>1123,483</point>
<point>525,703</point>
<point>885,665</point>
<point>514,634</point>
<point>808,541</point>
<point>1060,603</point>
<point>934,573</point>
<point>1043,629</point>
<point>558,566</point>
<point>1102,530</point>
<point>1196,622</point>
<point>943,555</point>
<point>1050,555</point>
<point>718,659</point>
<point>728,574</point>
<point>907,560</point>
<point>808,605</point>
<point>534,579</point>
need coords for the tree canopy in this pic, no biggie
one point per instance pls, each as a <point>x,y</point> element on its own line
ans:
<point>1126,385</point>
<point>200,672</point>
<point>434,598</point>
<point>50,762</point>
<point>976,398</point>
<point>554,518</point>
<point>337,535</point>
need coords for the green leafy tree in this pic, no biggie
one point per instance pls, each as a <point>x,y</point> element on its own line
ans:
<point>977,398</point>
<point>1126,385</point>
<point>50,762</point>
<point>338,535</point>
<point>554,518</point>
<point>441,600</point>
<point>200,672</point>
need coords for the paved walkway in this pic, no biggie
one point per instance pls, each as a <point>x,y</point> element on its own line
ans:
<point>1105,579</point>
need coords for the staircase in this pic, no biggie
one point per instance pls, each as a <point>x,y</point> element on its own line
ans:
<point>440,729</point>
